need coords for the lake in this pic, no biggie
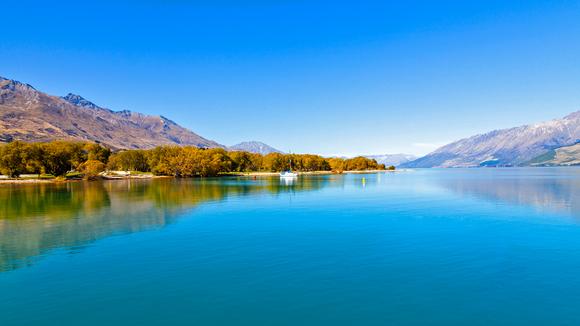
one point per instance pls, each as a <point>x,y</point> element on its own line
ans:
<point>423,247</point>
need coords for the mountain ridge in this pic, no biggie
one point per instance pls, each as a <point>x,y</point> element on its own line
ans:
<point>392,159</point>
<point>254,146</point>
<point>30,115</point>
<point>505,147</point>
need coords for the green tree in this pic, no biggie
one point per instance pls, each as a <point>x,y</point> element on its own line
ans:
<point>12,159</point>
<point>129,160</point>
<point>61,157</point>
<point>97,152</point>
<point>242,161</point>
<point>33,156</point>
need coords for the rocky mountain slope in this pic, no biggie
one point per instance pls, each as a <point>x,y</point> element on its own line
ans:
<point>507,147</point>
<point>29,115</point>
<point>567,155</point>
<point>254,147</point>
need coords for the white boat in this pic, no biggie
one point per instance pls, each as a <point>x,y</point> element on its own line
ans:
<point>288,174</point>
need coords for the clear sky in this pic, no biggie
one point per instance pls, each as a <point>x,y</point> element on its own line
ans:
<point>328,77</point>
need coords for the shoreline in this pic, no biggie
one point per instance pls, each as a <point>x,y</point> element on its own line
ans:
<point>150,176</point>
<point>27,181</point>
<point>271,174</point>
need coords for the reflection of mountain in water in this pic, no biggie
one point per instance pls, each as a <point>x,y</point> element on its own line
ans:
<point>37,218</point>
<point>547,189</point>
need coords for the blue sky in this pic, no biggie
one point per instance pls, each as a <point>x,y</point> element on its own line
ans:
<point>328,77</point>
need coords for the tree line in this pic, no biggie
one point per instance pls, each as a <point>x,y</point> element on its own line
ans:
<point>53,158</point>
<point>57,158</point>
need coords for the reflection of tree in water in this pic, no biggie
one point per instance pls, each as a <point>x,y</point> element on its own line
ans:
<point>557,194</point>
<point>37,218</point>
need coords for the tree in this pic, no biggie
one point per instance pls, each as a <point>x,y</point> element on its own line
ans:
<point>361,163</point>
<point>130,160</point>
<point>215,161</point>
<point>186,163</point>
<point>336,164</point>
<point>97,152</point>
<point>242,161</point>
<point>33,157</point>
<point>12,159</point>
<point>61,157</point>
<point>161,160</point>
<point>275,162</point>
<point>92,168</point>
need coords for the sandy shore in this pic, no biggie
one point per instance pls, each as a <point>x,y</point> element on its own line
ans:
<point>55,180</point>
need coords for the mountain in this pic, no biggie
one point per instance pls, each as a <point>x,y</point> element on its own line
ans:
<point>392,159</point>
<point>30,115</point>
<point>506,147</point>
<point>254,147</point>
<point>566,155</point>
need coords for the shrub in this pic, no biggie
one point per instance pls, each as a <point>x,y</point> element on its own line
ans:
<point>91,169</point>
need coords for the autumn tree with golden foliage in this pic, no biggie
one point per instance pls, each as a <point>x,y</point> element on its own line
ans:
<point>59,157</point>
<point>56,158</point>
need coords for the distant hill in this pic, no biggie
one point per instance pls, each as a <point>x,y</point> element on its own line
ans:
<point>506,147</point>
<point>30,115</point>
<point>392,159</point>
<point>254,147</point>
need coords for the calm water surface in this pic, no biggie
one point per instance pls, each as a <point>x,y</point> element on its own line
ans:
<point>429,247</point>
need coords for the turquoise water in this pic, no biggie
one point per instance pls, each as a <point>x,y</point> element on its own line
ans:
<point>429,247</point>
